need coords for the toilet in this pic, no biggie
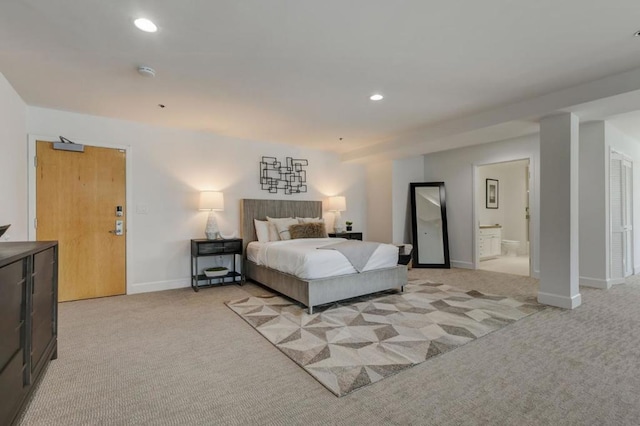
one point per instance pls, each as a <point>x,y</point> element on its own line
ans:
<point>510,247</point>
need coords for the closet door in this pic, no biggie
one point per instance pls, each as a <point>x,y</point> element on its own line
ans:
<point>621,214</point>
<point>627,225</point>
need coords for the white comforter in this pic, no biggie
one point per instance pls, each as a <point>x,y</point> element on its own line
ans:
<point>301,258</point>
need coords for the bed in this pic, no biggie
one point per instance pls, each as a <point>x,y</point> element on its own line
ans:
<point>310,291</point>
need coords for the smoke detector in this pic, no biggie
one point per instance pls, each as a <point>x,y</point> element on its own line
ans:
<point>146,71</point>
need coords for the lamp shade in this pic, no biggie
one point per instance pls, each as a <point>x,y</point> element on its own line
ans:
<point>337,204</point>
<point>211,200</point>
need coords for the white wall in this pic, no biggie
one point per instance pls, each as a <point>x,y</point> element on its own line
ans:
<point>13,162</point>
<point>404,172</point>
<point>379,202</point>
<point>389,205</point>
<point>594,267</point>
<point>456,169</point>
<point>170,167</point>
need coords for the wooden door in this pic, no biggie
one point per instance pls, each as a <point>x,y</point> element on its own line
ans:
<point>76,199</point>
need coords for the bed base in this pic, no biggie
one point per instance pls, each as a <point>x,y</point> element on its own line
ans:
<point>326,290</point>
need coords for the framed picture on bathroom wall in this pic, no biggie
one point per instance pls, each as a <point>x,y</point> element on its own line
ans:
<point>492,193</point>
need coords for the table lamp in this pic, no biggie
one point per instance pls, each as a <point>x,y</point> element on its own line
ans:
<point>336,205</point>
<point>212,201</point>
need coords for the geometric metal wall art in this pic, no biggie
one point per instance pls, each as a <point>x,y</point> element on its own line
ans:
<point>290,177</point>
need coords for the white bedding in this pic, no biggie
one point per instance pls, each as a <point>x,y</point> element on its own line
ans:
<point>301,258</point>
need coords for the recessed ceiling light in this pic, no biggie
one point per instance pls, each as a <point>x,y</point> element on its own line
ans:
<point>636,34</point>
<point>376,97</point>
<point>145,25</point>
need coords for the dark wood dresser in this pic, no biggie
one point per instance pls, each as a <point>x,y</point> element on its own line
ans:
<point>28,320</point>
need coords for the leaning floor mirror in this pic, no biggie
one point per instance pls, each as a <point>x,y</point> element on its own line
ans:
<point>429,223</point>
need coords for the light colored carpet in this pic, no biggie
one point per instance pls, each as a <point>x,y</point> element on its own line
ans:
<point>355,343</point>
<point>179,357</point>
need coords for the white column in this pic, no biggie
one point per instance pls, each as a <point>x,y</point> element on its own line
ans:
<point>559,221</point>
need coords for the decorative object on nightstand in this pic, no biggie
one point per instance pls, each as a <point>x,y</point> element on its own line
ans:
<point>336,205</point>
<point>221,275</point>
<point>212,201</point>
<point>217,271</point>
<point>349,227</point>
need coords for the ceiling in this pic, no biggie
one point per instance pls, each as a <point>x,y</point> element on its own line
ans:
<point>301,72</point>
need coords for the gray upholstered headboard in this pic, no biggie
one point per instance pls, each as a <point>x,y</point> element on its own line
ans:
<point>260,209</point>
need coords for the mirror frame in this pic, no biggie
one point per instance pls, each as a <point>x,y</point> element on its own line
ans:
<point>414,226</point>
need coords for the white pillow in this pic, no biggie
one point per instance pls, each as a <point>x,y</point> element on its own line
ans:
<point>313,220</point>
<point>282,225</point>
<point>309,219</point>
<point>273,232</point>
<point>266,231</point>
<point>262,230</point>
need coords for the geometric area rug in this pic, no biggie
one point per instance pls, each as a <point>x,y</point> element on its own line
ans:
<point>355,343</point>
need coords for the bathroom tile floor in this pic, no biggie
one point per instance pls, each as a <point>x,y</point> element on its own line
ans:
<point>508,265</point>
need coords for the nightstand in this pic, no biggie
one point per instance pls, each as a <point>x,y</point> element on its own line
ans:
<point>225,247</point>
<point>404,255</point>
<point>347,235</point>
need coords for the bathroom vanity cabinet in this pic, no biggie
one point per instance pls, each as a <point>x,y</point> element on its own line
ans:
<point>490,241</point>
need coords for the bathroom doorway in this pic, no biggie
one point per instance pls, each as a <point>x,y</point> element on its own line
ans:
<point>503,217</point>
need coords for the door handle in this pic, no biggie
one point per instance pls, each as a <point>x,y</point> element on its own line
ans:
<point>119,228</point>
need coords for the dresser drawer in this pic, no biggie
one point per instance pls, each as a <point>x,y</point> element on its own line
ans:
<point>12,299</point>
<point>12,386</point>
<point>209,248</point>
<point>489,232</point>
<point>233,247</point>
<point>213,247</point>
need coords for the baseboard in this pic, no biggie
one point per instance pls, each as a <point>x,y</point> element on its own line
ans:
<point>461,264</point>
<point>560,301</point>
<point>158,286</point>
<point>615,281</point>
<point>595,283</point>
<point>535,274</point>
<point>636,270</point>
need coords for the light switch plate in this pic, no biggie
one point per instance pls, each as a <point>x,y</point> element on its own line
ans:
<point>142,208</point>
